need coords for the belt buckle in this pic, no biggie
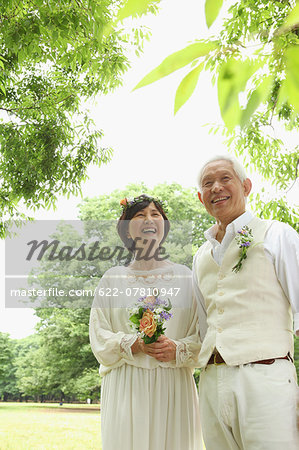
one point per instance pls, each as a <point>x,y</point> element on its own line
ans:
<point>215,362</point>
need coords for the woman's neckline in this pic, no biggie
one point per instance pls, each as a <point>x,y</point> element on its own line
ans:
<point>161,268</point>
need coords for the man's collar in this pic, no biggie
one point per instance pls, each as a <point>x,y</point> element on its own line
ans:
<point>232,227</point>
<point>241,221</point>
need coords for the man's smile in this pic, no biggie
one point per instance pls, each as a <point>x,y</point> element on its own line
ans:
<point>220,199</point>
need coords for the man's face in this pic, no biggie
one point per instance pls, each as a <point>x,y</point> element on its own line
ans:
<point>223,193</point>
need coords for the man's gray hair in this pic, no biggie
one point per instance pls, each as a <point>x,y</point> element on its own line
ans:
<point>238,168</point>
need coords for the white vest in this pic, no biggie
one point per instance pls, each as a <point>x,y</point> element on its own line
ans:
<point>249,317</point>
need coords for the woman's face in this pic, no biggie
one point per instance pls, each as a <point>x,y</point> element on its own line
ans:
<point>147,224</point>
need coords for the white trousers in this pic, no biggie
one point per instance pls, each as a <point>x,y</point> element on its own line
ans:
<point>249,407</point>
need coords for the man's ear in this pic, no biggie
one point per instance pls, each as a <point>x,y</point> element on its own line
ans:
<point>247,187</point>
<point>199,196</point>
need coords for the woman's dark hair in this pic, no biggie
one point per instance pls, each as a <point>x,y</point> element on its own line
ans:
<point>130,210</point>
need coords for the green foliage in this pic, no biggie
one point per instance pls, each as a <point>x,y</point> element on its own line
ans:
<point>88,385</point>
<point>255,61</point>
<point>137,8</point>
<point>186,87</point>
<point>178,60</point>
<point>8,351</point>
<point>31,372</point>
<point>5,352</point>
<point>233,77</point>
<point>212,8</point>
<point>53,57</point>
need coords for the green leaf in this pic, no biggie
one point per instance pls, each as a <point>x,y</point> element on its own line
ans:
<point>258,96</point>
<point>292,19</point>
<point>149,340</point>
<point>135,8</point>
<point>212,8</point>
<point>290,88</point>
<point>232,80</point>
<point>135,319</point>
<point>177,60</point>
<point>186,87</point>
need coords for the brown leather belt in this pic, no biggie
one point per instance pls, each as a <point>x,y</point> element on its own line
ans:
<point>216,358</point>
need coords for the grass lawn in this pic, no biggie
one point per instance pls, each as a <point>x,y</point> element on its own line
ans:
<point>25,426</point>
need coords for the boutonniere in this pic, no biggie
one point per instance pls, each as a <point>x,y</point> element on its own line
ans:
<point>244,238</point>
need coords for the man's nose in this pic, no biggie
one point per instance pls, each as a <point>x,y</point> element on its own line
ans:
<point>217,186</point>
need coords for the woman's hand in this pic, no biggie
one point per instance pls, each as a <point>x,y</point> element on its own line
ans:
<point>163,350</point>
<point>137,346</point>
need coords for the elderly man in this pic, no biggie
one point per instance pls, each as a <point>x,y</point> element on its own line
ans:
<point>246,280</point>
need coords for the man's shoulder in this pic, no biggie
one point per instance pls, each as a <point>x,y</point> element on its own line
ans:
<point>279,230</point>
<point>275,226</point>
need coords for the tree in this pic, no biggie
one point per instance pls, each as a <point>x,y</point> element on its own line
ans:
<point>254,60</point>
<point>87,385</point>
<point>8,387</point>
<point>31,374</point>
<point>5,352</point>
<point>53,57</point>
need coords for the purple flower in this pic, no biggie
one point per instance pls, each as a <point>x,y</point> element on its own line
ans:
<point>245,244</point>
<point>165,315</point>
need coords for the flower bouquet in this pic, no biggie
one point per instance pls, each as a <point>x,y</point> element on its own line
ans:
<point>148,316</point>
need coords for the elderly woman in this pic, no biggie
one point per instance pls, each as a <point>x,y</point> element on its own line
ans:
<point>148,397</point>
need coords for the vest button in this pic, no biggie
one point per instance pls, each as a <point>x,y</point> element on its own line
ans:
<point>219,330</point>
<point>220,311</point>
<point>221,276</point>
<point>220,293</point>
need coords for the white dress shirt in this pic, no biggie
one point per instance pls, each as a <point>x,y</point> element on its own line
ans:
<point>281,246</point>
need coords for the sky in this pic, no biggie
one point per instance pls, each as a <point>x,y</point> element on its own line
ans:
<point>150,143</point>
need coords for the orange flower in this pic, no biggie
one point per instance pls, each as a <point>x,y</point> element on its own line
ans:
<point>123,202</point>
<point>147,323</point>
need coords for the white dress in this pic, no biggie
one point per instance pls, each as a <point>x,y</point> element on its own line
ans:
<point>146,404</point>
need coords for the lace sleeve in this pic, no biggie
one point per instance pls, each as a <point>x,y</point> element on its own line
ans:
<point>125,344</point>
<point>183,355</point>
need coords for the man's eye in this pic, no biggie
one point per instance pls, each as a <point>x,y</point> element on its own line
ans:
<point>208,183</point>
